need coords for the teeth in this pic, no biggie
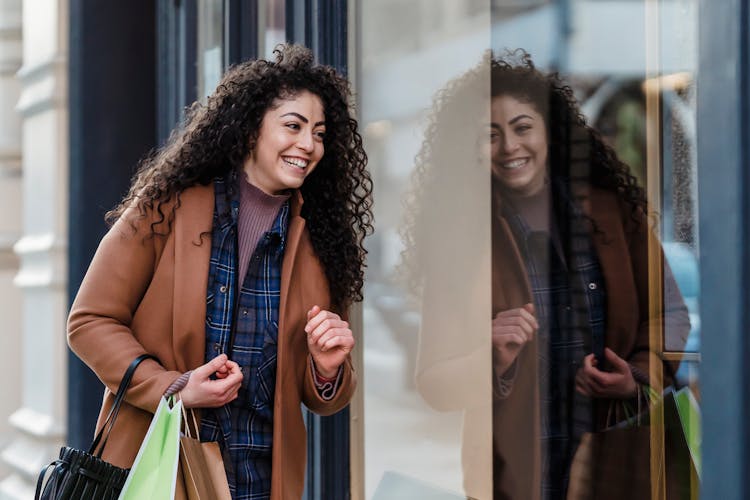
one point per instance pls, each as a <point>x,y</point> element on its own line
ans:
<point>515,163</point>
<point>297,162</point>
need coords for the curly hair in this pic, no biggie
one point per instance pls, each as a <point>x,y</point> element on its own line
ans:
<point>215,138</point>
<point>445,188</point>
<point>577,151</point>
<point>577,154</point>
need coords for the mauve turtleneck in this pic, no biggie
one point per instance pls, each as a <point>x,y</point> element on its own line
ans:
<point>258,211</point>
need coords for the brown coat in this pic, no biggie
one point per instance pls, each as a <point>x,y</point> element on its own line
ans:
<point>148,294</point>
<point>622,246</point>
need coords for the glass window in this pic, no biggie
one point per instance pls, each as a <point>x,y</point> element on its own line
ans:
<point>532,310</point>
<point>210,45</point>
<point>272,16</point>
<point>414,433</point>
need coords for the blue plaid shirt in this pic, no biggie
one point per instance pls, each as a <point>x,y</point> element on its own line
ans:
<point>570,305</point>
<point>246,328</point>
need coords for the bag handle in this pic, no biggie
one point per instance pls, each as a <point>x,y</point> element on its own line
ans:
<point>186,423</point>
<point>109,422</point>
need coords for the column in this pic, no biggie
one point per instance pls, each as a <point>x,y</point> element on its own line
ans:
<point>10,208</point>
<point>39,423</point>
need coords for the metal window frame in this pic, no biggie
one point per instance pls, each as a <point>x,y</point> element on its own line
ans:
<point>325,31</point>
<point>176,79</point>
<point>240,31</point>
<point>111,126</point>
<point>723,181</point>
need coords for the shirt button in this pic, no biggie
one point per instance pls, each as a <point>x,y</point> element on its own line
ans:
<point>217,347</point>
<point>223,289</point>
<point>592,286</point>
<point>244,312</point>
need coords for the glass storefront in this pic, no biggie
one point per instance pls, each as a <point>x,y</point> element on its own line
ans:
<point>604,261</point>
<point>210,45</point>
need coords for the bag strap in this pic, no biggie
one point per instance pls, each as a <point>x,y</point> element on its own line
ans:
<point>109,422</point>
<point>40,482</point>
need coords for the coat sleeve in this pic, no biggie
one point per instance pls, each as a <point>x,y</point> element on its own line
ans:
<point>99,324</point>
<point>344,392</point>
<point>670,314</point>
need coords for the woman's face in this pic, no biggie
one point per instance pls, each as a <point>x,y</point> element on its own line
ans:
<point>289,144</point>
<point>518,137</point>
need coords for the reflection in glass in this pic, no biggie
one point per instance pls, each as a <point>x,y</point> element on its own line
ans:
<point>272,16</point>
<point>623,249</point>
<point>574,356</point>
<point>210,45</point>
<point>409,51</point>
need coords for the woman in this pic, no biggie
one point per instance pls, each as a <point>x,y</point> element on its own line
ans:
<point>570,285</point>
<point>214,265</point>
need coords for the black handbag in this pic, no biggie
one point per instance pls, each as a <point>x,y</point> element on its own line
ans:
<point>79,474</point>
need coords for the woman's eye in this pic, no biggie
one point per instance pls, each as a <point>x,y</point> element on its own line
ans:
<point>522,128</point>
<point>320,134</point>
<point>293,126</point>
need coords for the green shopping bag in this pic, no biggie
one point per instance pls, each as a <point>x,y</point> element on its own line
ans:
<point>154,471</point>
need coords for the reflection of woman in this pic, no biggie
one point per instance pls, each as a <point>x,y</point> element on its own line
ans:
<point>570,285</point>
<point>214,265</point>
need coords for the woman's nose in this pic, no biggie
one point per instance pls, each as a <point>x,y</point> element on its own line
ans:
<point>306,142</point>
<point>510,144</point>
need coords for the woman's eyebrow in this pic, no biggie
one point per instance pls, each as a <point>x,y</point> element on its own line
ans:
<point>302,118</point>
<point>519,117</point>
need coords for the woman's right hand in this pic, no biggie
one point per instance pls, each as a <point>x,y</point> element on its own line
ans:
<point>203,392</point>
<point>511,330</point>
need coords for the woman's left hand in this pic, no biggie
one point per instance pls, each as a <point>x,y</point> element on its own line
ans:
<point>618,383</point>
<point>329,340</point>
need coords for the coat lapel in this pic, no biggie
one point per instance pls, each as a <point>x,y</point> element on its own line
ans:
<point>192,229</point>
<point>293,238</point>
<point>614,259</point>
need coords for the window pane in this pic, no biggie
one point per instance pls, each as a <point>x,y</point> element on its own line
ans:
<point>413,373</point>
<point>272,15</point>
<point>210,45</point>
<point>532,311</point>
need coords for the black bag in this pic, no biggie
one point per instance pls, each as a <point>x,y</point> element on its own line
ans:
<point>78,474</point>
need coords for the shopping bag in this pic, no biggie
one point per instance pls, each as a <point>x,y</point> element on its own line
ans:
<point>154,472</point>
<point>616,463</point>
<point>396,486</point>
<point>201,465</point>
<point>613,464</point>
<point>80,474</point>
<point>687,411</point>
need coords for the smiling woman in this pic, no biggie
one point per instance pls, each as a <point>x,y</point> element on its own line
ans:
<point>519,145</point>
<point>565,349</point>
<point>216,267</point>
<point>289,145</point>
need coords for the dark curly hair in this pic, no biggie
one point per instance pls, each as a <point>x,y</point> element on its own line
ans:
<point>215,138</point>
<point>577,152</point>
<point>453,137</point>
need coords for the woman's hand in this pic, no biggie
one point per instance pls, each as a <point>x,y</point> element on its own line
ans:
<point>618,383</point>
<point>511,330</point>
<point>329,340</point>
<point>203,392</point>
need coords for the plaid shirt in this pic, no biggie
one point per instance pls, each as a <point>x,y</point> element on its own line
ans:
<point>246,328</point>
<point>570,305</point>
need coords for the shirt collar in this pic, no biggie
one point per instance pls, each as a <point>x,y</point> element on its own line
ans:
<point>227,194</point>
